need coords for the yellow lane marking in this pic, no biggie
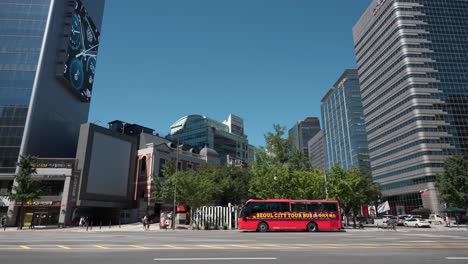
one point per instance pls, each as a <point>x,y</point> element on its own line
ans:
<point>210,246</point>
<point>25,247</point>
<point>64,247</point>
<point>247,246</point>
<point>101,247</point>
<point>280,246</point>
<point>139,247</point>
<point>174,247</point>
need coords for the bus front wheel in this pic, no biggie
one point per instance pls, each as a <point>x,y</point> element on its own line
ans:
<point>312,227</point>
<point>262,227</point>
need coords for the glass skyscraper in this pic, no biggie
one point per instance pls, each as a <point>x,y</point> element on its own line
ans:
<point>343,124</point>
<point>40,113</point>
<point>227,138</point>
<point>303,131</point>
<point>22,29</point>
<point>412,57</point>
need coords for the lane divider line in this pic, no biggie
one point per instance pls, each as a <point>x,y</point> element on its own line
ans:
<point>210,246</point>
<point>206,259</point>
<point>139,247</point>
<point>174,247</point>
<point>64,247</point>
<point>101,247</point>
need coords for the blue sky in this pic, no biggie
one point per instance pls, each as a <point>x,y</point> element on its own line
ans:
<point>267,61</point>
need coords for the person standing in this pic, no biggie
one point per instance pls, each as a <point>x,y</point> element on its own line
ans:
<point>3,222</point>
<point>145,222</point>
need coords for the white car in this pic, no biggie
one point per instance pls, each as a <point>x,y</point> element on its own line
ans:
<point>435,219</point>
<point>416,222</point>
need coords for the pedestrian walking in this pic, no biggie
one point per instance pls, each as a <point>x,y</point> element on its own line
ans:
<point>86,221</point>
<point>81,223</point>
<point>145,223</point>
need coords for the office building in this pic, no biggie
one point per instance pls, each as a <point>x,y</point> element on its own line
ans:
<point>413,63</point>
<point>227,138</point>
<point>316,148</point>
<point>302,132</point>
<point>48,54</point>
<point>343,124</point>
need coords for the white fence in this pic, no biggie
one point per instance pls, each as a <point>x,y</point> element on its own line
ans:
<point>215,217</point>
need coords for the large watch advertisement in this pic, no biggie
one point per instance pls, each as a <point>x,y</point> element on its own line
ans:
<point>82,51</point>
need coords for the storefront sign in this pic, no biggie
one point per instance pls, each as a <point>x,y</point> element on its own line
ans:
<point>53,164</point>
<point>40,203</point>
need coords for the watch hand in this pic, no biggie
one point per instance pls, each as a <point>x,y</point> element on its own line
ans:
<point>85,52</point>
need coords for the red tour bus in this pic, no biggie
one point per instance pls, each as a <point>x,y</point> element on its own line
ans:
<point>284,214</point>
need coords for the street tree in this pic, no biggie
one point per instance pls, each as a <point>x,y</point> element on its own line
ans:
<point>352,188</point>
<point>453,182</point>
<point>25,188</point>
<point>207,185</point>
<point>282,171</point>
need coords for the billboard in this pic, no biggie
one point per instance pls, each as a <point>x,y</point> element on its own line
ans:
<point>82,50</point>
<point>107,164</point>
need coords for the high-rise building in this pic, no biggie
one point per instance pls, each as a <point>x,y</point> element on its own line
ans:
<point>303,131</point>
<point>343,124</point>
<point>412,57</point>
<point>227,138</point>
<point>48,53</point>
<point>317,150</point>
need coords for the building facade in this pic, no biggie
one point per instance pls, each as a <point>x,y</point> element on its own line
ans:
<point>227,138</point>
<point>151,161</point>
<point>42,104</point>
<point>303,131</point>
<point>412,57</point>
<point>316,148</point>
<point>343,124</point>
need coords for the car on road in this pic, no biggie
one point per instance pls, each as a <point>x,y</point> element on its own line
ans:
<point>416,222</point>
<point>435,219</point>
<point>401,219</point>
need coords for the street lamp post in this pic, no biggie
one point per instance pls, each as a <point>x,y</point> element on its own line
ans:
<point>325,181</point>
<point>175,187</point>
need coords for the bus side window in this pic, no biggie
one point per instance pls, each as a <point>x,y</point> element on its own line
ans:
<point>298,207</point>
<point>330,207</point>
<point>313,207</point>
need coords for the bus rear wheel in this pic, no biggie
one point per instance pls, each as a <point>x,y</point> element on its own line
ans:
<point>312,227</point>
<point>262,227</point>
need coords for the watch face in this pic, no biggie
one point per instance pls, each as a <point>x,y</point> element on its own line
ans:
<point>75,35</point>
<point>76,74</point>
<point>83,43</point>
